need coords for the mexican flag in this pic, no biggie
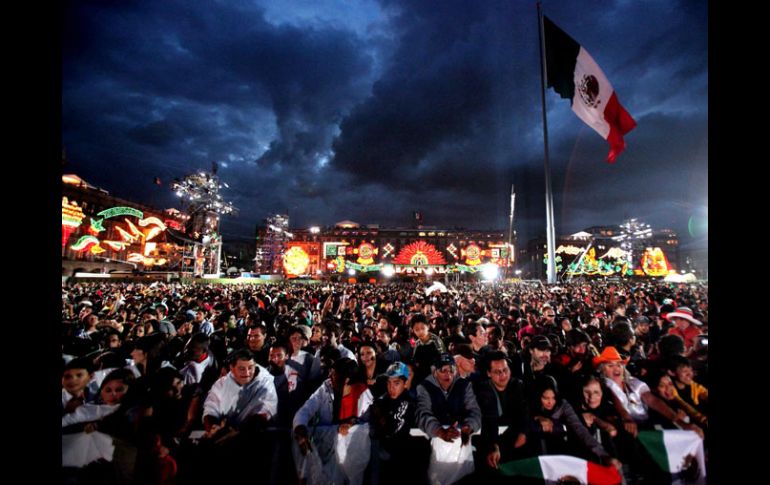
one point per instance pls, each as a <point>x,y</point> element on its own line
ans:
<point>677,451</point>
<point>553,468</point>
<point>574,74</point>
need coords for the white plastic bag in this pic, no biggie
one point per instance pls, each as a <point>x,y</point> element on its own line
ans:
<point>449,462</point>
<point>80,449</point>
<point>353,452</point>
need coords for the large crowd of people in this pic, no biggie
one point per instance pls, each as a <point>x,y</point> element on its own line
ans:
<point>349,384</point>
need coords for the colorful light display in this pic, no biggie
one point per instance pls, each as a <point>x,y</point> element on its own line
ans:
<point>452,249</point>
<point>153,220</point>
<point>84,243</point>
<point>71,218</point>
<point>388,250</point>
<point>590,266</point>
<point>295,261</point>
<point>419,253</point>
<point>571,250</point>
<point>472,253</point>
<point>120,211</point>
<point>655,263</point>
<point>130,236</point>
<point>366,254</point>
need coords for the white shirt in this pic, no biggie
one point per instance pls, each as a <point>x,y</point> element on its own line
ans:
<point>632,400</point>
<point>228,399</point>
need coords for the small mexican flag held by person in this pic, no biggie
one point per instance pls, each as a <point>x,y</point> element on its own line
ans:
<point>556,468</point>
<point>678,452</point>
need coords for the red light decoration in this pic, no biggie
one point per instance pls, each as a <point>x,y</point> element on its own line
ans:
<point>419,253</point>
<point>71,217</point>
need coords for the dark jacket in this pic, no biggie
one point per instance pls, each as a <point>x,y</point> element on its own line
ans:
<point>437,408</point>
<point>392,419</point>
<point>506,408</point>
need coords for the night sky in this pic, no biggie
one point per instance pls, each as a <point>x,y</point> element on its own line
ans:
<point>369,110</point>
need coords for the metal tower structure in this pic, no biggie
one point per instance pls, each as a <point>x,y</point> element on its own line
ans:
<point>632,239</point>
<point>272,244</point>
<point>205,206</point>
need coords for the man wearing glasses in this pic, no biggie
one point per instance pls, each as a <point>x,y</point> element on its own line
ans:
<point>502,403</point>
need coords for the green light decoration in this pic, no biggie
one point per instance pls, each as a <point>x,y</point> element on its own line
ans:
<point>96,225</point>
<point>364,268</point>
<point>121,211</point>
<point>462,268</point>
<point>559,266</point>
<point>84,242</point>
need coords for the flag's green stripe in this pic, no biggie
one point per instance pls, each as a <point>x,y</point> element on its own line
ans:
<point>561,53</point>
<point>653,443</point>
<point>527,468</point>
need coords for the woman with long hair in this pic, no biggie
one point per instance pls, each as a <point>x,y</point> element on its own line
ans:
<point>558,428</point>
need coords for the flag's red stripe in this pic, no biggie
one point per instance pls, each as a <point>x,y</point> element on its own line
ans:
<point>603,475</point>
<point>620,123</point>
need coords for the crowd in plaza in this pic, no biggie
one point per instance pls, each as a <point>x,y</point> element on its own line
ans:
<point>170,383</point>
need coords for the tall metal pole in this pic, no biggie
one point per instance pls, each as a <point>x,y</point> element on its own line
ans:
<point>550,233</point>
<point>510,230</point>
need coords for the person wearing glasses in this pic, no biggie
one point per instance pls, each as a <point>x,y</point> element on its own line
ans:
<point>502,402</point>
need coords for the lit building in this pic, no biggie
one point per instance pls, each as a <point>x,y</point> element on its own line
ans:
<point>350,249</point>
<point>102,233</point>
<point>599,251</point>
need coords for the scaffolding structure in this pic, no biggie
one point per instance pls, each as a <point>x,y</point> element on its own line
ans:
<point>203,252</point>
<point>271,245</point>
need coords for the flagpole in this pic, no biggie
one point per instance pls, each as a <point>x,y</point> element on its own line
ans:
<point>510,231</point>
<point>550,238</point>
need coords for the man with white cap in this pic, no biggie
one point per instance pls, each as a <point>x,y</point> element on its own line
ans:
<point>685,325</point>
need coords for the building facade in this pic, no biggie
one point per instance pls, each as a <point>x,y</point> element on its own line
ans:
<point>349,248</point>
<point>102,233</point>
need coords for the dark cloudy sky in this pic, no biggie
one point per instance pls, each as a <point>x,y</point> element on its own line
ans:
<point>369,110</point>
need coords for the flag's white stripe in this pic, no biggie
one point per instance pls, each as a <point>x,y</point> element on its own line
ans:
<point>554,467</point>
<point>679,444</point>
<point>592,116</point>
